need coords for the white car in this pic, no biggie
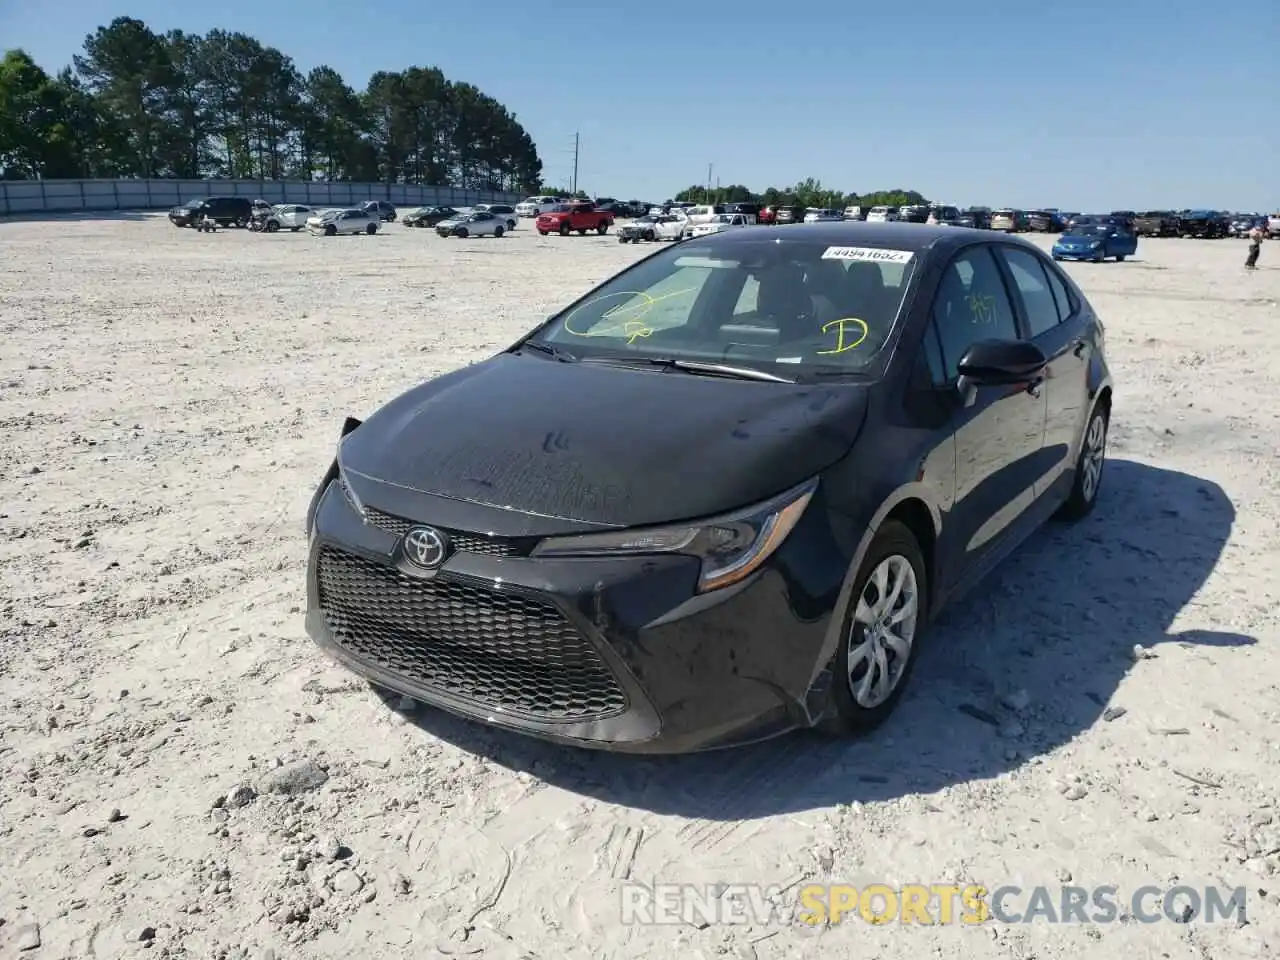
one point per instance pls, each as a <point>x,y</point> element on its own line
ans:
<point>535,205</point>
<point>1273,226</point>
<point>723,221</point>
<point>333,222</point>
<point>503,210</point>
<point>882,215</point>
<point>822,215</point>
<point>653,226</point>
<point>288,216</point>
<point>477,223</point>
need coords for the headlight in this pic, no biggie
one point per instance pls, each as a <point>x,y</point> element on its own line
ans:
<point>1096,244</point>
<point>731,547</point>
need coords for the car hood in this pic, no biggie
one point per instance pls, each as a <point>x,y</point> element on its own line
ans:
<point>600,444</point>
<point>1074,240</point>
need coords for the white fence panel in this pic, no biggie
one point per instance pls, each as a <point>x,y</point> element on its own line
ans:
<point>34,197</point>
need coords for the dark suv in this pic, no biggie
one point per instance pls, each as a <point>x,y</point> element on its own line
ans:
<point>225,211</point>
<point>381,209</point>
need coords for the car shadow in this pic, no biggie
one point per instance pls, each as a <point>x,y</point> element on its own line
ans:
<point>1021,666</point>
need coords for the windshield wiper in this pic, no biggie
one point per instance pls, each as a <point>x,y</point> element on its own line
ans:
<point>550,349</point>
<point>694,366</point>
<point>834,375</point>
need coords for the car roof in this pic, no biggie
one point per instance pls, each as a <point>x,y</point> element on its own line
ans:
<point>916,237</point>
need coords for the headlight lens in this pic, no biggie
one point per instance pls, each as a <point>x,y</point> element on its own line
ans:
<point>1096,244</point>
<point>731,548</point>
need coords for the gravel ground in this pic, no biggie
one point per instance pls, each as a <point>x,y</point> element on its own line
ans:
<point>183,774</point>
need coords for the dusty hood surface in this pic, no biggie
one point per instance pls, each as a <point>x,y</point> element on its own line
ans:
<point>602,444</point>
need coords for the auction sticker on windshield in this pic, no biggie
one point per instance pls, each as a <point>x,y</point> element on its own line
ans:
<point>868,254</point>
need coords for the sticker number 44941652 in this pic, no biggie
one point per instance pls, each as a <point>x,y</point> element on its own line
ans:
<point>868,254</point>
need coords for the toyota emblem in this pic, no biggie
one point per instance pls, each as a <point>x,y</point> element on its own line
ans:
<point>425,548</point>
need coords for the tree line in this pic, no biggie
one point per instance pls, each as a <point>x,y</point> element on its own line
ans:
<point>807,193</point>
<point>136,103</point>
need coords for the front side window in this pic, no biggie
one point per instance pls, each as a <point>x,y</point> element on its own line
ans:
<point>783,306</point>
<point>971,305</point>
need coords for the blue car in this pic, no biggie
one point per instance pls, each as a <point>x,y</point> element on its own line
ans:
<point>1095,241</point>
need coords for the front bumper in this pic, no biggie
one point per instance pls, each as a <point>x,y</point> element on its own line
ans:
<point>617,654</point>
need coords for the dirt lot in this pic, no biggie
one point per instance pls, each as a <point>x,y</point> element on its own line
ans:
<point>168,401</point>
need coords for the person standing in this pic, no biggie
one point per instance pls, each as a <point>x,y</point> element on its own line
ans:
<point>1255,247</point>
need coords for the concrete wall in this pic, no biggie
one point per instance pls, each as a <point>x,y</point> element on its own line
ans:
<point>70,196</point>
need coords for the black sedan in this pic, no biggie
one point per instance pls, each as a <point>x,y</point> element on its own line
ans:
<point>721,495</point>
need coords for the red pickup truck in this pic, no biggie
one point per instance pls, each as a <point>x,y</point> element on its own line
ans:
<point>574,216</point>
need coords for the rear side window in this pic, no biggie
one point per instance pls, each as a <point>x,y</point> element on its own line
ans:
<point>1061,295</point>
<point>1037,296</point>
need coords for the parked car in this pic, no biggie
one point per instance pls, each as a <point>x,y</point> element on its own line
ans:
<point>855,212</point>
<point>725,221</point>
<point>976,218</point>
<point>384,211</point>
<point>1044,221</point>
<point>944,216</point>
<point>822,215</point>
<point>1242,225</point>
<point>788,213</point>
<point>536,205</point>
<point>1009,220</point>
<point>1207,224</point>
<point>882,214</point>
<point>1273,225</point>
<point>778,574</point>
<point>335,222</point>
<point>287,216</point>
<point>503,210</point>
<point>1123,218</point>
<point>1096,241</point>
<point>653,226</point>
<point>914,213</point>
<point>224,211</point>
<point>749,210</point>
<point>477,223</point>
<point>569,217</point>
<point>1156,223</point>
<point>427,216</point>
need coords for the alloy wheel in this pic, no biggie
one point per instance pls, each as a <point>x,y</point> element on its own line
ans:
<point>882,631</point>
<point>1093,456</point>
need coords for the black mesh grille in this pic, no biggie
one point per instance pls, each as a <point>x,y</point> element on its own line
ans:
<point>461,542</point>
<point>499,649</point>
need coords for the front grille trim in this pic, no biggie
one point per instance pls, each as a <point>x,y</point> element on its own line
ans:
<point>503,651</point>
<point>461,541</point>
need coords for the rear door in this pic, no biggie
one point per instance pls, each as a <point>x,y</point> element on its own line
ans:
<point>1052,320</point>
<point>998,439</point>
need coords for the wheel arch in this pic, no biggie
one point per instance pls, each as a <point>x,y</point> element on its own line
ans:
<point>914,507</point>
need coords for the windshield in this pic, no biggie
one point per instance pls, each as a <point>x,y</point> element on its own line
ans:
<point>195,202</point>
<point>1092,230</point>
<point>771,304</point>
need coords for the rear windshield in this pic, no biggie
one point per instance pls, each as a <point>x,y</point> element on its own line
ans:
<point>782,306</point>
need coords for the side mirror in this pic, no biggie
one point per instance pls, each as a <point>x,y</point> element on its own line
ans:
<point>999,363</point>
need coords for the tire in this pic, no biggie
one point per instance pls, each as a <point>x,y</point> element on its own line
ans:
<point>564,230</point>
<point>371,229</point>
<point>894,549</point>
<point>542,233</point>
<point>582,232</point>
<point>462,232</point>
<point>330,230</point>
<point>622,239</point>
<point>1120,257</point>
<point>1090,466</point>
<point>272,226</point>
<point>649,235</point>
<point>497,232</point>
<point>602,229</point>
<point>294,229</point>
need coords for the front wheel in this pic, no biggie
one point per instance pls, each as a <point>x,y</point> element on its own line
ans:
<point>885,615</point>
<point>622,239</point>
<point>564,230</point>
<point>371,229</point>
<point>1088,478</point>
<point>461,232</point>
<point>602,229</point>
<point>272,226</point>
<point>497,231</point>
<point>330,230</point>
<point>1120,258</point>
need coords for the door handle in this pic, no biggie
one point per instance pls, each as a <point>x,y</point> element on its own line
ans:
<point>1080,346</point>
<point>1034,385</point>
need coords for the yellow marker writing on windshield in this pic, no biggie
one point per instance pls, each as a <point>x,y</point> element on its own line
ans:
<point>983,307</point>
<point>845,339</point>
<point>633,313</point>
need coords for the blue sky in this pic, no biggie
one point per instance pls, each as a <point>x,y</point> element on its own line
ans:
<point>1080,105</point>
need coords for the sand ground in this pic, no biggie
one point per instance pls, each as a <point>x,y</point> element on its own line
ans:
<point>167,403</point>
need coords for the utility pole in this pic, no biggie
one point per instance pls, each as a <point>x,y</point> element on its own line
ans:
<point>574,188</point>
<point>709,181</point>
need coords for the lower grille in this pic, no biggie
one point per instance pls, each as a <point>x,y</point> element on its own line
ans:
<point>500,650</point>
<point>462,542</point>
